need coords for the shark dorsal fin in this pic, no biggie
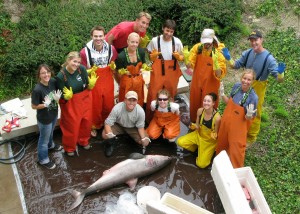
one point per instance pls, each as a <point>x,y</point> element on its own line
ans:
<point>136,156</point>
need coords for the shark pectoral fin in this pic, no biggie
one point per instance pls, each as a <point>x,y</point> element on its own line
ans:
<point>132,183</point>
<point>106,172</point>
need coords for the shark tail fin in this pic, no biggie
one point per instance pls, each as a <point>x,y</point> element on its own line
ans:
<point>78,199</point>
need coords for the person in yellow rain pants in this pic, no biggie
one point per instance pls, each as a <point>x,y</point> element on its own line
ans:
<point>209,67</point>
<point>264,64</point>
<point>166,117</point>
<point>237,117</point>
<point>129,64</point>
<point>204,138</point>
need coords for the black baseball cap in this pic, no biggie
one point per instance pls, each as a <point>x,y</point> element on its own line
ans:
<point>255,34</point>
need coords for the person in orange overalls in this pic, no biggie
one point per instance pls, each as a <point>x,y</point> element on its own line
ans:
<point>129,64</point>
<point>209,67</point>
<point>237,117</point>
<point>165,52</point>
<point>204,138</point>
<point>264,64</point>
<point>166,117</point>
<point>75,104</point>
<point>100,56</point>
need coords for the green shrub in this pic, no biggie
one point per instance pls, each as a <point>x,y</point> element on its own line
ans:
<point>48,31</point>
<point>194,15</point>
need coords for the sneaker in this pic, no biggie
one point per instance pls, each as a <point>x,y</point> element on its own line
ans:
<point>109,146</point>
<point>70,154</point>
<point>94,133</point>
<point>144,150</point>
<point>172,140</point>
<point>56,147</point>
<point>87,147</point>
<point>49,165</point>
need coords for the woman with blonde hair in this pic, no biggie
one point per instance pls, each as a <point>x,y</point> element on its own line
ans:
<point>76,103</point>
<point>129,64</point>
<point>237,117</point>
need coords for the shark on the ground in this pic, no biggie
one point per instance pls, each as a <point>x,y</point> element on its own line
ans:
<point>127,171</point>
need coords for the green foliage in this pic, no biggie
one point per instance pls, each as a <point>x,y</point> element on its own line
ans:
<point>193,16</point>
<point>268,6</point>
<point>281,112</point>
<point>296,6</point>
<point>48,32</point>
<point>5,30</point>
<point>275,156</point>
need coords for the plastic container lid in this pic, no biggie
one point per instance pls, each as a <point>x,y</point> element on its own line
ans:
<point>145,194</point>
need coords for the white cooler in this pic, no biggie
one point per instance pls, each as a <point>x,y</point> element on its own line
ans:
<point>229,183</point>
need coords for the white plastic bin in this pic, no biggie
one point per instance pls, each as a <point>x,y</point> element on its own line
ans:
<point>172,204</point>
<point>247,179</point>
<point>229,183</point>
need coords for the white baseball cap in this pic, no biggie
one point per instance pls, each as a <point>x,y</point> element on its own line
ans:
<point>131,94</point>
<point>208,36</point>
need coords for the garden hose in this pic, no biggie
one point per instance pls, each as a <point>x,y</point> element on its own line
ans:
<point>20,142</point>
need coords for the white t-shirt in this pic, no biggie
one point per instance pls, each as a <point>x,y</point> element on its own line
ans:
<point>174,107</point>
<point>166,47</point>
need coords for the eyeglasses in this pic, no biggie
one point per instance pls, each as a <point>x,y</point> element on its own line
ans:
<point>163,99</point>
<point>44,73</point>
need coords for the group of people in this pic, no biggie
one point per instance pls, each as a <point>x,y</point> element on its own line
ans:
<point>84,89</point>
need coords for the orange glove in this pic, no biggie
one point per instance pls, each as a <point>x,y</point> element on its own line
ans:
<point>178,56</point>
<point>154,54</point>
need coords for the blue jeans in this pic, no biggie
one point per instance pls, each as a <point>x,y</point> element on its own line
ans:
<point>45,140</point>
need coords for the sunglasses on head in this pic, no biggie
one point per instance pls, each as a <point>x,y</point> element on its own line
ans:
<point>163,99</point>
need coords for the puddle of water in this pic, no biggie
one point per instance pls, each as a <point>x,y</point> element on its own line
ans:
<point>46,191</point>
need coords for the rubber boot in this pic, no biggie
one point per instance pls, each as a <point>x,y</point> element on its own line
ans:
<point>109,146</point>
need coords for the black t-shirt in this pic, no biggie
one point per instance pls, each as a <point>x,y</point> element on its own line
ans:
<point>122,61</point>
<point>45,115</point>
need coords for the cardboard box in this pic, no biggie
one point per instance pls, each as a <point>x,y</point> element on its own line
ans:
<point>229,183</point>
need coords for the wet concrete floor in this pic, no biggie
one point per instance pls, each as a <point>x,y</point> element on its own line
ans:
<point>46,191</point>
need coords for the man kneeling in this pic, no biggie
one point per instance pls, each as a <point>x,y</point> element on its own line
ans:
<point>126,117</point>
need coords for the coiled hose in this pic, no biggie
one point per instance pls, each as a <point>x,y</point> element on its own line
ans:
<point>18,144</point>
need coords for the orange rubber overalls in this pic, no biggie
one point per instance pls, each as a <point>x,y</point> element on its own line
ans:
<point>76,120</point>
<point>200,139</point>
<point>168,122</point>
<point>165,74</point>
<point>204,80</point>
<point>132,82</point>
<point>232,134</point>
<point>103,97</point>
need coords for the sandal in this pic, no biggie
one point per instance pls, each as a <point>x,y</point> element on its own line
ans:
<point>94,133</point>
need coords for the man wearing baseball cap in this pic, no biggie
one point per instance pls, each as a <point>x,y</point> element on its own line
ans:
<point>264,64</point>
<point>209,67</point>
<point>126,117</point>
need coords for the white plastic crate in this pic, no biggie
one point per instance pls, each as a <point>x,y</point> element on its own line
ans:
<point>229,183</point>
<point>247,179</point>
<point>172,204</point>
